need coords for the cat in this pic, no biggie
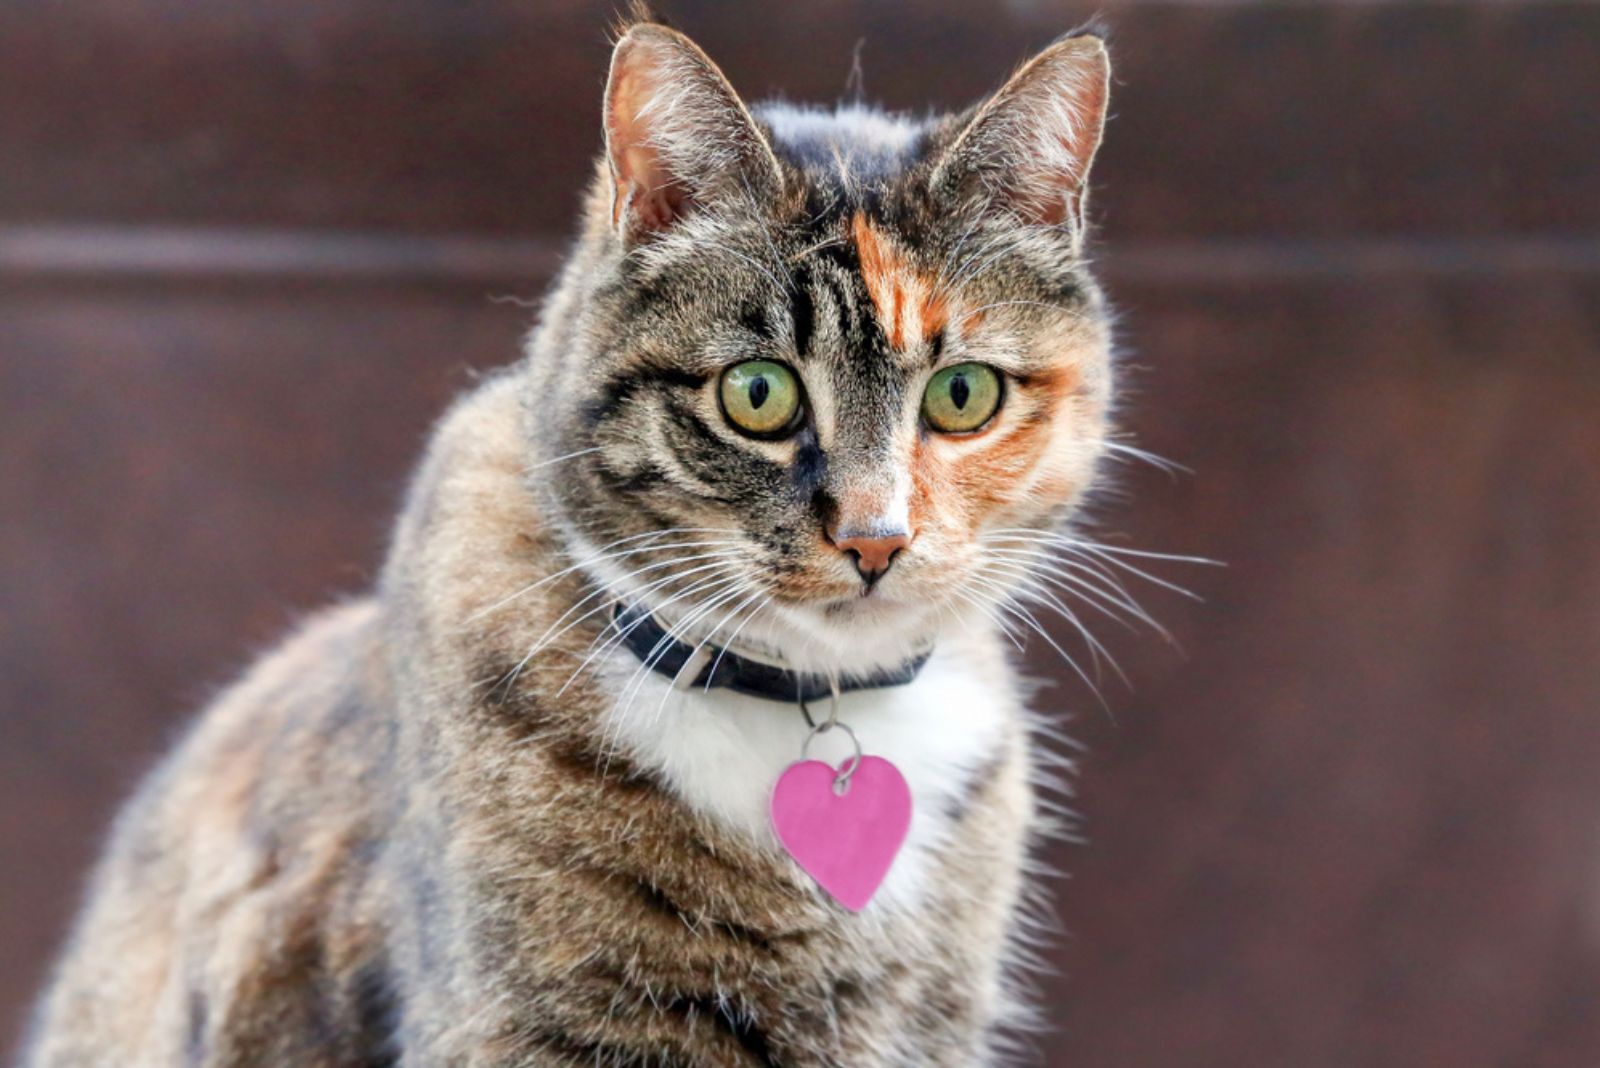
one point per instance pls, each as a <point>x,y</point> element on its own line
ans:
<point>817,394</point>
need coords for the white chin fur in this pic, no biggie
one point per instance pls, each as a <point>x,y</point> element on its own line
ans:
<point>866,638</point>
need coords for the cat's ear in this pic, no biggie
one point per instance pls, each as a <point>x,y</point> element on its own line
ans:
<point>677,136</point>
<point>1026,151</point>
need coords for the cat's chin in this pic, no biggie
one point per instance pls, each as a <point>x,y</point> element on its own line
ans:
<point>850,636</point>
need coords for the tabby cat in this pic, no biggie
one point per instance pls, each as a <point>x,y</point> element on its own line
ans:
<point>818,391</point>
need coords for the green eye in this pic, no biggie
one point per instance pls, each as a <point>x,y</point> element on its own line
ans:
<point>761,398</point>
<point>961,398</point>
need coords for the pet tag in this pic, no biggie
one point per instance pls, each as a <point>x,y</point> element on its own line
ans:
<point>843,825</point>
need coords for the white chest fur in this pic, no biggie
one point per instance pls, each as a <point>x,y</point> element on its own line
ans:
<point>723,751</point>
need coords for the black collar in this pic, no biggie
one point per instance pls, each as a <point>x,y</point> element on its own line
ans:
<point>719,667</point>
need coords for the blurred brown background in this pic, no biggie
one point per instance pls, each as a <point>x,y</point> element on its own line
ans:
<point>248,250</point>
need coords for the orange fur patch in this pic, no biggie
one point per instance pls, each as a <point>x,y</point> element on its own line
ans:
<point>1059,382</point>
<point>968,488</point>
<point>903,295</point>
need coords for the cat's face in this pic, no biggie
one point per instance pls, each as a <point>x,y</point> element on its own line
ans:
<point>821,394</point>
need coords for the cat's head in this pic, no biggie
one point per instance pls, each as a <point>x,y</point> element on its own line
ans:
<point>809,371</point>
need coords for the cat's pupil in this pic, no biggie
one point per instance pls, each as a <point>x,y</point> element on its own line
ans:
<point>959,391</point>
<point>758,392</point>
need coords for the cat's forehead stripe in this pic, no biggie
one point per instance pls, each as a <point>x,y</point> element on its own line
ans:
<point>910,304</point>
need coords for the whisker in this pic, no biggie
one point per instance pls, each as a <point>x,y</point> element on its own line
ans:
<point>734,637</point>
<point>614,636</point>
<point>555,630</point>
<point>750,260</point>
<point>1096,596</point>
<point>1119,550</point>
<point>1017,611</point>
<point>1015,304</point>
<point>1085,552</point>
<point>1097,649</point>
<point>1038,562</point>
<point>1160,463</point>
<point>719,559</point>
<point>991,611</point>
<point>827,242</point>
<point>1079,542</point>
<point>701,644</point>
<point>672,633</point>
<point>603,555</point>
<point>568,456</point>
<point>1099,553</point>
<point>955,251</point>
<point>971,268</point>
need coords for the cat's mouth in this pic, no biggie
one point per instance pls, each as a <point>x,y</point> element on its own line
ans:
<point>867,603</point>
<point>844,597</point>
<point>866,589</point>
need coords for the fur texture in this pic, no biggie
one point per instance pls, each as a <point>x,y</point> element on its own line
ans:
<point>454,823</point>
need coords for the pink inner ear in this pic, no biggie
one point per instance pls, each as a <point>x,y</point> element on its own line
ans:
<point>644,191</point>
<point>644,188</point>
<point>648,196</point>
<point>677,136</point>
<point>654,207</point>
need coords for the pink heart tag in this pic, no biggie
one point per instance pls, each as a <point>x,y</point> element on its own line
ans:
<point>846,842</point>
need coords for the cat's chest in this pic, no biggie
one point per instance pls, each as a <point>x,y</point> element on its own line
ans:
<point>722,752</point>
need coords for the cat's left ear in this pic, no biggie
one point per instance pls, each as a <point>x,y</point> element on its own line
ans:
<point>1026,151</point>
<point>678,138</point>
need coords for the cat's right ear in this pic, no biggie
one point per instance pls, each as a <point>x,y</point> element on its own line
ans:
<point>678,139</point>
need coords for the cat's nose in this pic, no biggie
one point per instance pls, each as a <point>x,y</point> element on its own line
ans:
<point>872,553</point>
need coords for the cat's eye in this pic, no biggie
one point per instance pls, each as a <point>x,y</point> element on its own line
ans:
<point>761,398</point>
<point>962,398</point>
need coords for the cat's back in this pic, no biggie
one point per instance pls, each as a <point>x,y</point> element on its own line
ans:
<point>240,878</point>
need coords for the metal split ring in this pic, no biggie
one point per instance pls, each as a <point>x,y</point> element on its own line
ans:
<point>833,705</point>
<point>841,780</point>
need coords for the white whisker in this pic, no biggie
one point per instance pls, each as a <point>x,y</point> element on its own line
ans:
<point>1160,463</point>
<point>603,555</point>
<point>1056,571</point>
<point>1041,595</point>
<point>556,630</point>
<point>568,456</point>
<point>734,637</point>
<point>1014,304</point>
<point>610,638</point>
<point>701,644</point>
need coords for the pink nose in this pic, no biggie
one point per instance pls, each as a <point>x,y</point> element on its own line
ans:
<point>872,553</point>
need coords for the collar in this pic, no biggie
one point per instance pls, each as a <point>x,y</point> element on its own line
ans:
<point>710,666</point>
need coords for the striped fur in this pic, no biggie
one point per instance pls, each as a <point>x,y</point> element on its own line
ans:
<point>451,823</point>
